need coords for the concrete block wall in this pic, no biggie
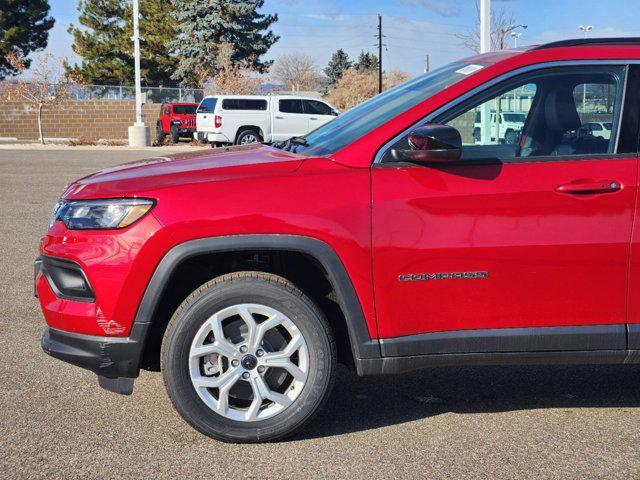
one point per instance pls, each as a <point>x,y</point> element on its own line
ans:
<point>75,119</point>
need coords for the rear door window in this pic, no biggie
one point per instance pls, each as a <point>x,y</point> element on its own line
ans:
<point>290,105</point>
<point>244,104</point>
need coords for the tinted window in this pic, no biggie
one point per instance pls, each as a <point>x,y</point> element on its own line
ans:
<point>244,104</point>
<point>290,106</point>
<point>315,107</point>
<point>208,105</point>
<point>184,109</point>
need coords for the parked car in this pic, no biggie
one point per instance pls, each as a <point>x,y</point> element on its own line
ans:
<point>379,240</point>
<point>597,129</point>
<point>510,126</point>
<point>176,120</point>
<point>239,120</point>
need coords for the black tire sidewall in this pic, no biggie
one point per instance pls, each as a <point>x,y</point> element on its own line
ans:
<point>175,134</point>
<point>160,134</point>
<point>180,335</point>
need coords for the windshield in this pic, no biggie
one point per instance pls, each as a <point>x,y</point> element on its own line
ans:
<point>184,109</point>
<point>378,110</point>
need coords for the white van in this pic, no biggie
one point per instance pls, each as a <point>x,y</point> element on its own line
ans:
<point>241,119</point>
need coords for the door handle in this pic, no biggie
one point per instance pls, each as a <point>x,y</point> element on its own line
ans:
<point>313,118</point>
<point>589,187</point>
<point>279,118</point>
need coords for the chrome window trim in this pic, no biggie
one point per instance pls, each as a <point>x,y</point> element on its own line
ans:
<point>506,76</point>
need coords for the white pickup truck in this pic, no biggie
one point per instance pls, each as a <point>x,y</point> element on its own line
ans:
<point>238,119</point>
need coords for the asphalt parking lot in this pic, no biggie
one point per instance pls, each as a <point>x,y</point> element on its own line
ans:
<point>493,422</point>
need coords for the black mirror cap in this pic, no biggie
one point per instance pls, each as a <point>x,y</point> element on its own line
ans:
<point>433,143</point>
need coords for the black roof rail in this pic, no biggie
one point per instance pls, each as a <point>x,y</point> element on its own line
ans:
<point>575,42</point>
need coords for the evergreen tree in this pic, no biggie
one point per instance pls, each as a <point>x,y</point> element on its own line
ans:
<point>103,40</point>
<point>205,25</point>
<point>338,63</point>
<point>366,61</point>
<point>24,28</point>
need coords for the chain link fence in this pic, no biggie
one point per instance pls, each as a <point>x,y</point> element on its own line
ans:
<point>125,92</point>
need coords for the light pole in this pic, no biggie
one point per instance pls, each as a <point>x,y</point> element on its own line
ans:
<point>515,36</point>
<point>485,46</point>
<point>139,133</point>
<point>586,29</point>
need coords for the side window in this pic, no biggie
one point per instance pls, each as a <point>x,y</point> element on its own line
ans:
<point>167,110</point>
<point>244,104</point>
<point>546,113</point>
<point>290,105</point>
<point>498,121</point>
<point>315,107</point>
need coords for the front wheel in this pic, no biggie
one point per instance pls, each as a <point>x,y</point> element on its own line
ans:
<point>175,134</point>
<point>248,357</point>
<point>159,134</point>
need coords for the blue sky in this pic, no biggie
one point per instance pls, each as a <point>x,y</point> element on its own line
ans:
<point>413,28</point>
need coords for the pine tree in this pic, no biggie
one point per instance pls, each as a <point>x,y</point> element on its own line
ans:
<point>104,42</point>
<point>366,61</point>
<point>337,65</point>
<point>205,25</point>
<point>24,28</point>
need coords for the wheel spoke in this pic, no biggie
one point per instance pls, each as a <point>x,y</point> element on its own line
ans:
<point>225,380</point>
<point>250,322</point>
<point>218,334</point>
<point>259,385</point>
<point>288,350</point>
<point>254,408</point>
<point>287,365</point>
<point>215,347</point>
<point>223,392</point>
<point>265,326</point>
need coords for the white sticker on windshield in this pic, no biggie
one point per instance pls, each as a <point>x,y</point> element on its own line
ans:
<point>469,69</point>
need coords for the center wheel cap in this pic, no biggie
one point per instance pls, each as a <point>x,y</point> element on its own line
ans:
<point>249,362</point>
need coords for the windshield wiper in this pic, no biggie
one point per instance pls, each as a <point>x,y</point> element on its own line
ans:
<point>298,140</point>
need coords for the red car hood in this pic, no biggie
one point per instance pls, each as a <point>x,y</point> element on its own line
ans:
<point>144,176</point>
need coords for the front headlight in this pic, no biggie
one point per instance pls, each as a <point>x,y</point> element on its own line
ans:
<point>101,214</point>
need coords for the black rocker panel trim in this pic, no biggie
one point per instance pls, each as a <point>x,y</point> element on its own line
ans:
<point>361,343</point>
<point>633,335</point>
<point>587,338</point>
<point>394,365</point>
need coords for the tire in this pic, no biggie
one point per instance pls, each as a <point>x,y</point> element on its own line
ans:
<point>510,137</point>
<point>248,136</point>
<point>160,134</point>
<point>476,134</point>
<point>294,392</point>
<point>175,134</point>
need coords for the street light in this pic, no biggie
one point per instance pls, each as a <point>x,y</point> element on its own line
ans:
<point>515,37</point>
<point>586,29</point>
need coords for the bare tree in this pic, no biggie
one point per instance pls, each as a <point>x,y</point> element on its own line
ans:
<point>503,22</point>
<point>230,78</point>
<point>356,86</point>
<point>297,71</point>
<point>46,86</point>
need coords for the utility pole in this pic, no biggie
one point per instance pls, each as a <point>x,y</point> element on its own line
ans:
<point>139,134</point>
<point>426,63</point>
<point>379,53</point>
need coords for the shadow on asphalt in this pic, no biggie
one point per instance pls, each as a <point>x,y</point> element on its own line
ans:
<point>359,404</point>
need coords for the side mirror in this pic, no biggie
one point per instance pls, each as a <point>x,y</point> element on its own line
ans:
<point>432,143</point>
<point>335,113</point>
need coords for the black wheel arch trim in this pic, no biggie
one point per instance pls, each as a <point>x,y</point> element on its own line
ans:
<point>362,345</point>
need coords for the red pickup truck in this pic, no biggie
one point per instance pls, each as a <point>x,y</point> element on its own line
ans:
<point>176,120</point>
<point>389,239</point>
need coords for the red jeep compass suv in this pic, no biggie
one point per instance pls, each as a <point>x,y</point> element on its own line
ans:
<point>390,239</point>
